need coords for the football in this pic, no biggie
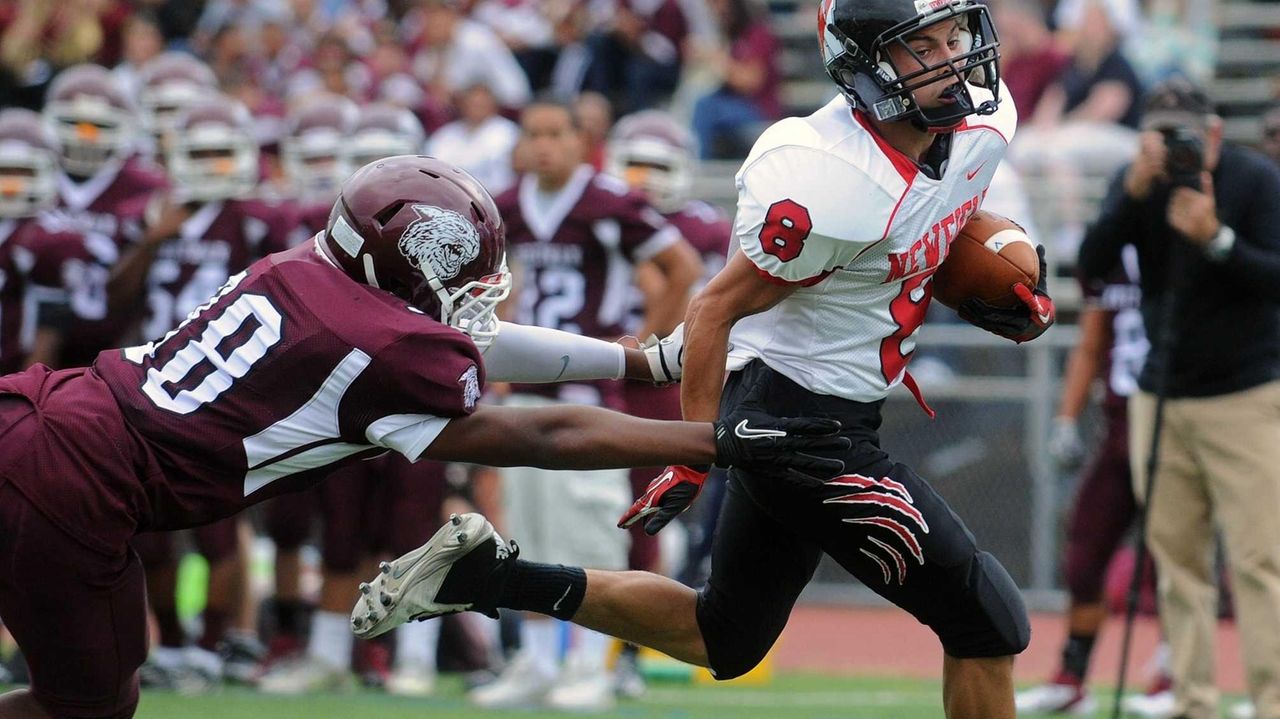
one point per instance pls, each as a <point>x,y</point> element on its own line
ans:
<point>990,255</point>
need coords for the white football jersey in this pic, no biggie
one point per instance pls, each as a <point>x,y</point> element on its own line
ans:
<point>826,204</point>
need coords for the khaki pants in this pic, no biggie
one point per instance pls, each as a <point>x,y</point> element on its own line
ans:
<point>566,517</point>
<point>1219,465</point>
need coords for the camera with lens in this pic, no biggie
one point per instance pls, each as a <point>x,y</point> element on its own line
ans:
<point>1185,158</point>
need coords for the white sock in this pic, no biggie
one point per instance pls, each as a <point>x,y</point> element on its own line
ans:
<point>416,643</point>
<point>540,640</point>
<point>331,638</point>
<point>591,648</point>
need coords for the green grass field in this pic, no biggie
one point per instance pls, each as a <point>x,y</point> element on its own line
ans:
<point>792,696</point>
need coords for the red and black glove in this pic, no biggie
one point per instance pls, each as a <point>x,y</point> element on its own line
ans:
<point>803,447</point>
<point>1020,324</point>
<point>669,494</point>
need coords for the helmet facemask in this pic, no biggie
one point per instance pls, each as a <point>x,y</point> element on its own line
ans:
<point>211,162</point>
<point>869,80</point>
<point>92,133</point>
<point>315,163</point>
<point>27,180</point>
<point>471,308</point>
<point>663,173</point>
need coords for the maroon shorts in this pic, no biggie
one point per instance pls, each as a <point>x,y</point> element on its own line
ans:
<point>79,615</point>
<point>651,403</point>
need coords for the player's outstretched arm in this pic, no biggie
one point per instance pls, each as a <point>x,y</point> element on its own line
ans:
<point>523,353</point>
<point>737,291</point>
<point>579,437</point>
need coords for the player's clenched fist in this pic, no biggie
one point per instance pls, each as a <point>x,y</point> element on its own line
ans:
<point>669,494</point>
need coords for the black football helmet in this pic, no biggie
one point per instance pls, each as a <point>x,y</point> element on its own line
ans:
<point>854,37</point>
<point>427,232</point>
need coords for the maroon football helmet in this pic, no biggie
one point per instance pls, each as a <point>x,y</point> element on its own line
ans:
<point>427,232</point>
<point>211,153</point>
<point>28,163</point>
<point>312,151</point>
<point>171,82</point>
<point>92,117</point>
<point>384,130</point>
<point>655,155</point>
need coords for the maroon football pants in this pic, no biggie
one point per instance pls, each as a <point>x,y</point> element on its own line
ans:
<point>1102,513</point>
<point>78,615</point>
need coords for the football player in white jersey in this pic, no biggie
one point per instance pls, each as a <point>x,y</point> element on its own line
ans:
<point>843,217</point>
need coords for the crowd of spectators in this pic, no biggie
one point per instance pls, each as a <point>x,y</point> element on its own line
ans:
<point>475,62</point>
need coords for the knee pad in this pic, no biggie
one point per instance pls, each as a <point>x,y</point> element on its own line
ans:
<point>735,638</point>
<point>996,622</point>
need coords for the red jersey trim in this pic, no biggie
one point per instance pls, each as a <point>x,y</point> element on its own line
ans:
<point>791,283</point>
<point>905,166</point>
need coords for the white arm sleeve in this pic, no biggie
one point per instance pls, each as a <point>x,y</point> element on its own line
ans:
<point>522,353</point>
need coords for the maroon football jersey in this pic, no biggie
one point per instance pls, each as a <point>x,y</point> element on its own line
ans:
<point>107,211</point>
<point>575,252</point>
<point>218,240</point>
<point>291,369</point>
<point>709,230</point>
<point>1120,297</point>
<point>309,219</point>
<point>13,283</point>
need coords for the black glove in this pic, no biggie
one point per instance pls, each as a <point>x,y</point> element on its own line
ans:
<point>802,446</point>
<point>1022,323</point>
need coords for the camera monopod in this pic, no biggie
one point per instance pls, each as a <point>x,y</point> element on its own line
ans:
<point>1164,356</point>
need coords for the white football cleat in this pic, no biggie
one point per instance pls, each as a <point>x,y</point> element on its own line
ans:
<point>304,675</point>
<point>450,573</point>
<point>522,684</point>
<point>582,688</point>
<point>1055,698</point>
<point>1158,705</point>
<point>412,680</point>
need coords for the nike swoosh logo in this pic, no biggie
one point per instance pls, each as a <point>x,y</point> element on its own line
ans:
<point>1044,317</point>
<point>745,432</point>
<point>564,359</point>
<point>556,607</point>
<point>971,175</point>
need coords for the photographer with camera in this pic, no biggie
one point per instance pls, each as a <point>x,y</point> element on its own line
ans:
<point>1204,216</point>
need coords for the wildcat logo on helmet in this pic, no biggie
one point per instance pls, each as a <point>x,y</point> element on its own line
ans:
<point>440,241</point>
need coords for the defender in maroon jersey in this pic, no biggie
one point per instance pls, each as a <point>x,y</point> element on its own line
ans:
<point>208,228</point>
<point>103,191</point>
<point>342,348</point>
<point>28,157</point>
<point>576,235</point>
